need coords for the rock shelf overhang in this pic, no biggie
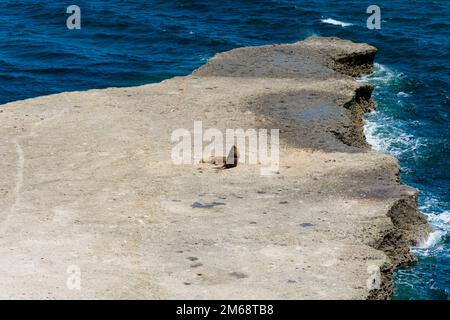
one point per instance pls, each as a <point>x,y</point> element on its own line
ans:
<point>87,181</point>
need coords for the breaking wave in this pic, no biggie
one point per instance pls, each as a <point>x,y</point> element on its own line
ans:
<point>336,22</point>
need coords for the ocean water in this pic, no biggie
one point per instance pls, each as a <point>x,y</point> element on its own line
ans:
<point>126,43</point>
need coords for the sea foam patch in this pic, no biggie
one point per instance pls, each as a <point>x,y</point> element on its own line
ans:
<point>389,134</point>
<point>429,242</point>
<point>336,22</point>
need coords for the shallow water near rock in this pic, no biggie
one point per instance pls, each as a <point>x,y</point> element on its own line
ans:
<point>136,42</point>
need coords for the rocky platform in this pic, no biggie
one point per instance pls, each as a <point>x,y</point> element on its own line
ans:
<point>87,180</point>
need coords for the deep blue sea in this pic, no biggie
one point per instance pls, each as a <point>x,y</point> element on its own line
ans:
<point>127,43</point>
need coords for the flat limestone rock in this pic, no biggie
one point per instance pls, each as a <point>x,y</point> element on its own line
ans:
<point>87,183</point>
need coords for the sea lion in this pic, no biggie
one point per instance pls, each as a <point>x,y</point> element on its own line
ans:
<point>223,162</point>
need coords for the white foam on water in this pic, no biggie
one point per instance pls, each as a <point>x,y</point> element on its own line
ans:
<point>402,94</point>
<point>432,239</point>
<point>384,133</point>
<point>429,203</point>
<point>370,130</point>
<point>336,22</point>
<point>382,75</point>
<point>387,134</point>
<point>439,221</point>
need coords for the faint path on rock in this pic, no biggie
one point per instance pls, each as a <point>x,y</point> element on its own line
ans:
<point>20,169</point>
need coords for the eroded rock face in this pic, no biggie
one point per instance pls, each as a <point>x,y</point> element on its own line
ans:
<point>87,179</point>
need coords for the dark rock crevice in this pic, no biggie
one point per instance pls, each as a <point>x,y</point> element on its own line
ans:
<point>409,225</point>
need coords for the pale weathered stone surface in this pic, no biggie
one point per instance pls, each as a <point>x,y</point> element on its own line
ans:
<point>86,179</point>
